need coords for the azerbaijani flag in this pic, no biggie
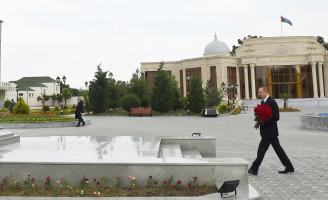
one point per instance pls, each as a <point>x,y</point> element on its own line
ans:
<point>285,20</point>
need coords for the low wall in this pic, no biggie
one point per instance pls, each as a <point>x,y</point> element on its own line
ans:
<point>315,122</point>
<point>216,171</point>
<point>41,125</point>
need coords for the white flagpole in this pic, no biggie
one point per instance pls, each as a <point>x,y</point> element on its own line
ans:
<point>280,27</point>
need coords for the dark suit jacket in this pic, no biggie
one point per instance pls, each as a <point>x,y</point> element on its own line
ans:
<point>79,109</point>
<point>270,129</point>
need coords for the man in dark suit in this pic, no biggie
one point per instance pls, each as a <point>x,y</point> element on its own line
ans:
<point>78,112</point>
<point>269,134</point>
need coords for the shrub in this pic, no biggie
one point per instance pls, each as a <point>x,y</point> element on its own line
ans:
<point>184,103</point>
<point>224,108</point>
<point>21,107</point>
<point>45,108</point>
<point>236,111</point>
<point>129,101</point>
<point>7,104</point>
<point>56,108</point>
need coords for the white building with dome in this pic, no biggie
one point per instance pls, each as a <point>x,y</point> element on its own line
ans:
<point>296,65</point>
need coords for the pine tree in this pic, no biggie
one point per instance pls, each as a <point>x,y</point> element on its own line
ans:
<point>165,93</point>
<point>98,91</point>
<point>140,88</point>
<point>196,96</point>
<point>213,96</point>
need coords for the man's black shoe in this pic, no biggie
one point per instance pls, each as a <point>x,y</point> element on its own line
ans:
<point>251,171</point>
<point>286,171</point>
<point>83,124</point>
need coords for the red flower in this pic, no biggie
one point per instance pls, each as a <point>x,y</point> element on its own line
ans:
<point>164,182</point>
<point>179,182</point>
<point>94,179</point>
<point>262,113</point>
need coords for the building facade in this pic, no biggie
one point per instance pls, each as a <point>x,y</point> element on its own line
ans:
<point>29,88</point>
<point>296,65</point>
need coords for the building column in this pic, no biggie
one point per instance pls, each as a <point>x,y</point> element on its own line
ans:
<point>184,82</point>
<point>322,93</point>
<point>253,81</point>
<point>224,75</point>
<point>314,80</point>
<point>205,75</point>
<point>238,82</point>
<point>299,82</point>
<point>269,77</point>
<point>246,81</point>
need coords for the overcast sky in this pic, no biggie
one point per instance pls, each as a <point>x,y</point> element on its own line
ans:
<point>71,37</point>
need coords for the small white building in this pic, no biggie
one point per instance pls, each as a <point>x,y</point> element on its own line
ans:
<point>29,88</point>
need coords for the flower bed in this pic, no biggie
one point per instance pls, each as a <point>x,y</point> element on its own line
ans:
<point>289,109</point>
<point>33,117</point>
<point>103,187</point>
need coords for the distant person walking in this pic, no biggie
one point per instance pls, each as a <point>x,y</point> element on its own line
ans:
<point>78,112</point>
<point>12,105</point>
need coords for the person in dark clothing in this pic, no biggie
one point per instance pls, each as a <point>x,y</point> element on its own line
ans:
<point>12,105</point>
<point>78,112</point>
<point>269,134</point>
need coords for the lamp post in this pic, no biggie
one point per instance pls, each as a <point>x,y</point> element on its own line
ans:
<point>64,79</point>
<point>188,83</point>
<point>59,83</point>
<point>17,89</point>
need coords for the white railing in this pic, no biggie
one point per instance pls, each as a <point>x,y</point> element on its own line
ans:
<point>7,86</point>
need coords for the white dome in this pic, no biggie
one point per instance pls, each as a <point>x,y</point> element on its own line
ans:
<point>216,47</point>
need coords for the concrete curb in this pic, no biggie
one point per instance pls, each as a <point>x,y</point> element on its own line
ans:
<point>40,125</point>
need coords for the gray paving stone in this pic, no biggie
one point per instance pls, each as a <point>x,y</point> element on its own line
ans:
<point>308,150</point>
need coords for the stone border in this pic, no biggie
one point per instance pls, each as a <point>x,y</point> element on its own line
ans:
<point>314,122</point>
<point>40,125</point>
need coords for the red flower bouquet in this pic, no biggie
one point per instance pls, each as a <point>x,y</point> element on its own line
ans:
<point>262,113</point>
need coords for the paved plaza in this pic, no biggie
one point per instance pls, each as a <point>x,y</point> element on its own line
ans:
<point>308,150</point>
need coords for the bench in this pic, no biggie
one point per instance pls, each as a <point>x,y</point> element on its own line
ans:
<point>141,111</point>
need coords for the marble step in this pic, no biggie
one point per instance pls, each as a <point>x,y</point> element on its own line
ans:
<point>5,133</point>
<point>9,140</point>
<point>191,154</point>
<point>170,151</point>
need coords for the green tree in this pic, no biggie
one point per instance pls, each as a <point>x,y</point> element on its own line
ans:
<point>139,87</point>
<point>122,88</point>
<point>66,94</point>
<point>53,98</point>
<point>213,96</point>
<point>85,95</point>
<point>75,92</point>
<point>112,99</point>
<point>196,96</point>
<point>21,107</point>
<point>44,98</point>
<point>130,101</point>
<point>98,91</point>
<point>7,104</point>
<point>165,93</point>
<point>285,97</point>
<point>59,98</point>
